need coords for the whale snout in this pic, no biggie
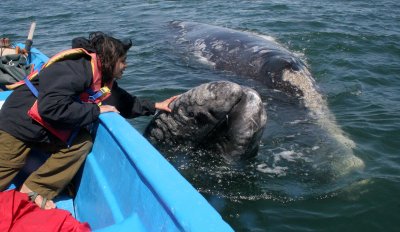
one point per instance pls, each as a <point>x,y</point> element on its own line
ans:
<point>222,117</point>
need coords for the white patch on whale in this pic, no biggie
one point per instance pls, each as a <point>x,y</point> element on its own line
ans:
<point>319,111</point>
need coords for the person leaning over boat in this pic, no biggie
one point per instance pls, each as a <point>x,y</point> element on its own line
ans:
<point>128,105</point>
<point>66,87</point>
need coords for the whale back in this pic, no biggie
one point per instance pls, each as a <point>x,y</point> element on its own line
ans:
<point>243,53</point>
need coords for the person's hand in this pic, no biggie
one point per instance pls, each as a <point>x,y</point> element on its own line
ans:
<point>165,104</point>
<point>108,108</point>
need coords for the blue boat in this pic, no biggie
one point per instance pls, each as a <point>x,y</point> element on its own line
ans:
<point>127,185</point>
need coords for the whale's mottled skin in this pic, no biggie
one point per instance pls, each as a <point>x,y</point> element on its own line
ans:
<point>261,58</point>
<point>245,54</point>
<point>222,116</point>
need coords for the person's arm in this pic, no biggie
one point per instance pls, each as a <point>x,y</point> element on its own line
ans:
<point>131,106</point>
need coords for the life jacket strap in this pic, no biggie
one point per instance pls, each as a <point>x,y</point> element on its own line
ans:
<point>71,138</point>
<point>31,87</point>
<point>102,92</point>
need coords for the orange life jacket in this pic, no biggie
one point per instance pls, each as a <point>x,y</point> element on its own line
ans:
<point>95,94</point>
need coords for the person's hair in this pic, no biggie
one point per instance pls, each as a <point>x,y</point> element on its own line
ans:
<point>109,50</point>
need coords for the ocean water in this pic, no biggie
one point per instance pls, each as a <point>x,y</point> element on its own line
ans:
<point>352,49</point>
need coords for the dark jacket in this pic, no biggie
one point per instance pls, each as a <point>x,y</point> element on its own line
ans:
<point>59,86</point>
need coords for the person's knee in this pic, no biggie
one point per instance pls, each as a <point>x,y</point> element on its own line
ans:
<point>82,145</point>
<point>87,147</point>
<point>86,142</point>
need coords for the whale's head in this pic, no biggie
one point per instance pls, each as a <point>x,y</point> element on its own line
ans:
<point>271,66</point>
<point>222,116</point>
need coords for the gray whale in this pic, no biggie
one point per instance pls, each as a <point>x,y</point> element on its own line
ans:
<point>260,58</point>
<point>219,116</point>
<point>245,54</point>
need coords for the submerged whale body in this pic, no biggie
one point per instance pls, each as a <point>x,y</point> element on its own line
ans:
<point>220,116</point>
<point>257,57</point>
